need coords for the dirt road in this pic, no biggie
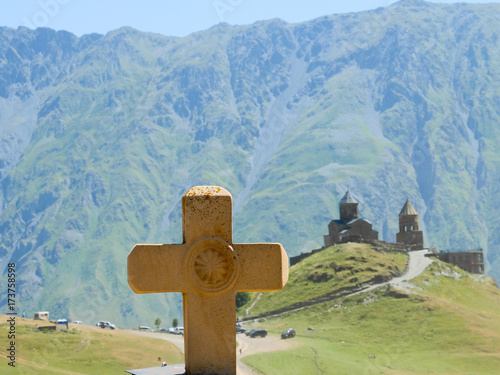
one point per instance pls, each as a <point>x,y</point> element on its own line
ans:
<point>417,264</point>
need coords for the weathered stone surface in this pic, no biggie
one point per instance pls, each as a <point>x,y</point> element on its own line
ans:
<point>409,234</point>
<point>208,269</point>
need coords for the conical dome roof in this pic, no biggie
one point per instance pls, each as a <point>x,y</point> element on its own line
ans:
<point>408,209</point>
<point>348,198</point>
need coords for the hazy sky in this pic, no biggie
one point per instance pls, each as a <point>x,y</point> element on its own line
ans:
<point>170,17</point>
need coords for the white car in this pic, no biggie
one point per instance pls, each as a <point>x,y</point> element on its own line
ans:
<point>105,325</point>
<point>178,331</point>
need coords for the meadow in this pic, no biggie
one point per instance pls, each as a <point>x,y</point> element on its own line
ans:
<point>83,350</point>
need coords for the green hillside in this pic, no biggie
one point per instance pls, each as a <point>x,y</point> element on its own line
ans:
<point>83,350</point>
<point>101,135</point>
<point>448,324</point>
<point>326,273</point>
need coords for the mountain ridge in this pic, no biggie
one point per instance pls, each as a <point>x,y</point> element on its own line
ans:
<point>101,135</point>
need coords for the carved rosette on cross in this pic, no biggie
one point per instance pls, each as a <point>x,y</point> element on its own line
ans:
<point>212,266</point>
<point>208,269</point>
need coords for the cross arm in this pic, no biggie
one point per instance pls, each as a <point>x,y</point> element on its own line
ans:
<point>263,267</point>
<point>156,268</point>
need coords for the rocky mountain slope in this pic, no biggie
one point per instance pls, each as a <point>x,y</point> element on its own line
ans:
<point>101,135</point>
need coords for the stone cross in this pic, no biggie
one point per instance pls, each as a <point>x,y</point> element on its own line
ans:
<point>208,269</point>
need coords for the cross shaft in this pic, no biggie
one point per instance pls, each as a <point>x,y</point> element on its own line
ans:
<point>208,269</point>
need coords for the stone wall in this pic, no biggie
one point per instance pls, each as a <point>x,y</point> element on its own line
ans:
<point>415,238</point>
<point>348,211</point>
<point>470,261</point>
<point>364,229</point>
<point>55,327</point>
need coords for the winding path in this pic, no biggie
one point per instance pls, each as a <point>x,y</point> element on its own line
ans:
<point>416,265</point>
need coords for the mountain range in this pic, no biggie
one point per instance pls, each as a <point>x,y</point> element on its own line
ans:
<point>101,135</point>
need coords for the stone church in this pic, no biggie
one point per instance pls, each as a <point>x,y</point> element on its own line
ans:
<point>350,227</point>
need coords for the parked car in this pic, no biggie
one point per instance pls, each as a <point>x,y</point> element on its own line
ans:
<point>77,322</point>
<point>240,329</point>
<point>163,330</point>
<point>105,325</point>
<point>178,331</point>
<point>257,333</point>
<point>289,333</point>
<point>144,328</point>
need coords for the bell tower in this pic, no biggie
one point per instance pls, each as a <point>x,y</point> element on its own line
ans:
<point>409,233</point>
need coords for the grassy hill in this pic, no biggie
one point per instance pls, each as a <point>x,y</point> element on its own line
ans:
<point>83,350</point>
<point>448,324</point>
<point>326,273</point>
